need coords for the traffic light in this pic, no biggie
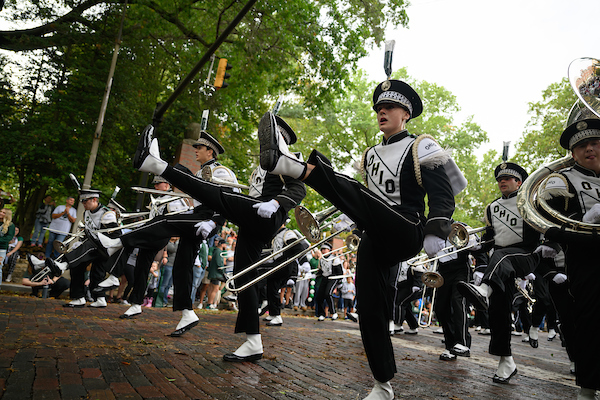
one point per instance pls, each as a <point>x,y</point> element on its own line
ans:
<point>221,74</point>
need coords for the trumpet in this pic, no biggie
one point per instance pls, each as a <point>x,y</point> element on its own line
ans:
<point>530,300</point>
<point>208,175</point>
<point>459,237</point>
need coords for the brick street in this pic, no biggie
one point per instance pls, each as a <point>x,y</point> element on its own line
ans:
<point>51,352</point>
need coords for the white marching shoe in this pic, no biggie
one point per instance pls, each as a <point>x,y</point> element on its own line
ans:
<point>133,311</point>
<point>250,350</point>
<point>506,370</point>
<point>111,245</point>
<point>189,319</point>
<point>110,282</point>
<point>99,303</point>
<point>275,157</point>
<point>381,391</point>
<point>275,321</point>
<point>147,155</point>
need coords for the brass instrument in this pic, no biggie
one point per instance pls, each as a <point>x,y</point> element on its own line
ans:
<point>207,175</point>
<point>307,223</point>
<point>460,236</point>
<point>310,224</point>
<point>582,72</point>
<point>530,300</point>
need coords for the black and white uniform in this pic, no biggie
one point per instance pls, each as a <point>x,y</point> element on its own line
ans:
<point>582,267</point>
<point>513,241</point>
<point>391,214</point>
<point>154,236</point>
<point>278,280</point>
<point>329,266</point>
<point>84,254</point>
<point>254,231</point>
<point>405,279</point>
<point>451,308</point>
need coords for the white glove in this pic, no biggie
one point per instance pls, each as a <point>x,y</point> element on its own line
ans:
<point>559,278</point>
<point>523,284</point>
<point>477,278</point>
<point>415,289</point>
<point>204,228</point>
<point>547,251</point>
<point>290,282</point>
<point>432,245</point>
<point>593,215</point>
<point>530,277</point>
<point>342,223</point>
<point>266,210</point>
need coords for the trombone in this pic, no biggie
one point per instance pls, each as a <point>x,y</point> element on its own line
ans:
<point>309,226</point>
<point>207,175</point>
<point>230,281</point>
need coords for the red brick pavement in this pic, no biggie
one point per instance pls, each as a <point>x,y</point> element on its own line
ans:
<point>51,352</point>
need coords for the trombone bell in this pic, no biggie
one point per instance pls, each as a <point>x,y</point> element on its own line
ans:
<point>352,242</point>
<point>432,279</point>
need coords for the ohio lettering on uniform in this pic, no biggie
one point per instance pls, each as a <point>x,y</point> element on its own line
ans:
<point>507,222</point>
<point>586,187</point>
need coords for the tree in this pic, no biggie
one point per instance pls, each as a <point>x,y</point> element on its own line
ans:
<point>298,47</point>
<point>540,141</point>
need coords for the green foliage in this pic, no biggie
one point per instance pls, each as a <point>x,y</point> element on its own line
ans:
<point>540,141</point>
<point>301,48</point>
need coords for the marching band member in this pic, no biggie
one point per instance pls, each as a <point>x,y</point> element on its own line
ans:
<point>576,192</point>
<point>514,242</point>
<point>408,287</point>
<point>191,228</point>
<point>286,275</point>
<point>95,217</point>
<point>450,306</point>
<point>329,265</point>
<point>258,215</point>
<point>399,174</point>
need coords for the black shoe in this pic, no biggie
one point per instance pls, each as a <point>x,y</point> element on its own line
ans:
<point>143,149</point>
<point>69,305</point>
<point>533,343</point>
<point>129,316</point>
<point>100,289</point>
<point>470,292</point>
<point>233,358</point>
<point>96,242</point>
<point>267,136</point>
<point>179,332</point>
<point>448,357</point>
<point>497,379</point>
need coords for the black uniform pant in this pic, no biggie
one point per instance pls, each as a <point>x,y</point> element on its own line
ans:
<point>254,233</point>
<point>153,236</point>
<point>276,282</point>
<point>450,306</point>
<point>325,295</point>
<point>504,266</point>
<point>521,310</point>
<point>543,305</point>
<point>583,270</point>
<point>564,303</point>
<point>389,237</point>
<point>79,259</point>
<point>403,304</point>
